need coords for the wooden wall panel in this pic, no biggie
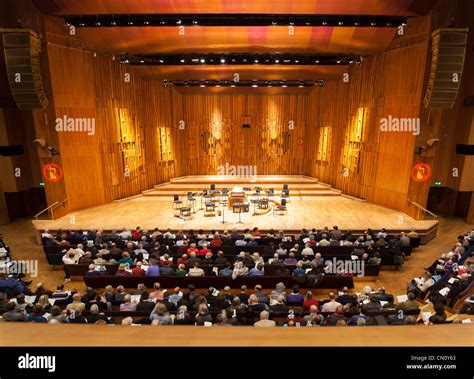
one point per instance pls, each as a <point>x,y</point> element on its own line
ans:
<point>88,85</point>
<point>387,84</point>
<point>213,134</point>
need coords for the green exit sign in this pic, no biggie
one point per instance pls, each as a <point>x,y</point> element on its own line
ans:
<point>437,183</point>
<point>42,184</point>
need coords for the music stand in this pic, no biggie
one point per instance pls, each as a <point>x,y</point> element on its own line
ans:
<point>240,206</point>
<point>223,203</point>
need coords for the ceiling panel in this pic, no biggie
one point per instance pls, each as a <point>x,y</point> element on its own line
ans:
<point>227,72</point>
<point>272,39</point>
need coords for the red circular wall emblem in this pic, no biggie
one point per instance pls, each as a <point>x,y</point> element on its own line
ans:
<point>52,172</point>
<point>421,172</point>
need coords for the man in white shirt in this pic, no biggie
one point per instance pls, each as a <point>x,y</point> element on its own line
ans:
<point>307,250</point>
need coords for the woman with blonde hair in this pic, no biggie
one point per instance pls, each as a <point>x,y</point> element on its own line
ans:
<point>160,314</point>
<point>43,302</point>
<point>203,315</point>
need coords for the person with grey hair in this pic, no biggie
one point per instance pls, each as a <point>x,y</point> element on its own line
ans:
<point>313,311</point>
<point>264,321</point>
<point>308,251</point>
<point>280,306</point>
<point>279,290</point>
<point>361,321</point>
<point>94,315</point>
<point>255,305</point>
<point>239,269</point>
<point>182,316</point>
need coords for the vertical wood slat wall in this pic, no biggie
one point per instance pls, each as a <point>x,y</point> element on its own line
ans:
<point>87,85</point>
<point>390,83</point>
<point>275,142</point>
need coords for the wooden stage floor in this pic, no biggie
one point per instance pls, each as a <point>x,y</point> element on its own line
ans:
<point>314,211</point>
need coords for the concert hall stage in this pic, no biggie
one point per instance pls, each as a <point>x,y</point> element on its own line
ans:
<point>312,205</point>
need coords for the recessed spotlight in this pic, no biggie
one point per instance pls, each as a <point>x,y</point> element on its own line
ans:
<point>317,61</point>
<point>284,85</point>
<point>162,22</point>
<point>182,61</point>
<point>373,23</point>
<point>161,60</point>
<point>356,23</point>
<point>113,23</point>
<point>203,61</point>
<point>222,60</point>
<point>142,60</point>
<point>244,60</point>
<point>178,22</point>
<point>301,85</point>
<point>341,23</point>
<point>277,61</point>
<point>338,61</point>
<point>202,85</point>
<point>297,61</point>
<point>130,22</point>
<point>274,23</point>
<point>256,60</point>
<point>324,22</point>
<point>195,22</point>
<point>254,85</point>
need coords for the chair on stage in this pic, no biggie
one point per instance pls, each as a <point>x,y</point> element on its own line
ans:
<point>191,200</point>
<point>256,194</point>
<point>185,212</point>
<point>262,203</point>
<point>176,202</point>
<point>210,208</point>
<point>271,193</point>
<point>285,195</point>
<point>213,187</point>
<point>280,208</point>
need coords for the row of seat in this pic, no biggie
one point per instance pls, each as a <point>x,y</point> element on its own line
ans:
<point>328,282</point>
<point>270,270</point>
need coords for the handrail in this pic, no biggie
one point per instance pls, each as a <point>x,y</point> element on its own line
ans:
<point>422,208</point>
<point>55,204</point>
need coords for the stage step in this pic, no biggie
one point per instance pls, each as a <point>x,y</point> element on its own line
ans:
<point>293,194</point>
<point>277,187</point>
<point>301,187</point>
<point>260,179</point>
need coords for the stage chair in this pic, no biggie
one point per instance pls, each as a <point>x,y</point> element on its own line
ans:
<point>176,202</point>
<point>280,208</point>
<point>271,193</point>
<point>185,212</point>
<point>213,187</point>
<point>191,200</point>
<point>285,195</point>
<point>210,206</point>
